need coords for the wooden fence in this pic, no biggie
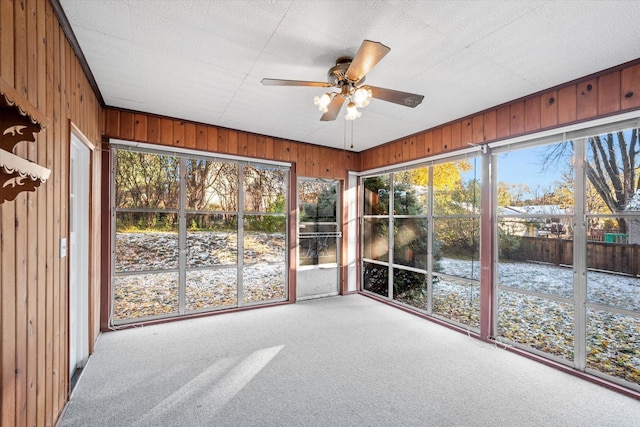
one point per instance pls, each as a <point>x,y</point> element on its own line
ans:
<point>614,257</point>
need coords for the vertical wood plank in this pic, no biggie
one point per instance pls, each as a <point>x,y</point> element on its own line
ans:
<point>532,114</point>
<point>387,155</point>
<point>398,150</point>
<point>437,140</point>
<point>8,327</point>
<point>327,168</point>
<point>315,161</point>
<point>404,149</point>
<point>277,149</point>
<point>630,87</point>
<point>223,135</point>
<point>286,150</point>
<point>421,149</point>
<point>503,120</point>
<point>308,160</point>
<point>371,155</point>
<point>339,165</point>
<point>20,249</point>
<point>490,125</point>
<point>373,159</point>
<point>301,164</point>
<point>467,132</point>
<point>516,112</point>
<point>567,104</point>
<point>7,47</point>
<point>32,52</point>
<point>166,132</point>
<point>112,123</point>
<point>413,149</point>
<point>609,93</point>
<point>294,156</point>
<point>52,42</point>
<point>43,139</point>
<point>178,133</point>
<point>20,46</point>
<point>223,140</point>
<point>260,147</point>
<point>127,123</point>
<point>242,143</point>
<point>382,158</point>
<point>549,109</point>
<point>60,102</point>
<point>140,127</point>
<point>190,135</point>
<point>252,143</point>
<point>232,142</point>
<point>212,139</point>
<point>587,99</point>
<point>268,148</point>
<point>477,131</point>
<point>428,143</point>
<point>55,181</point>
<point>153,129</point>
<point>63,364</point>
<point>377,159</point>
<point>201,137</point>
<point>446,138</point>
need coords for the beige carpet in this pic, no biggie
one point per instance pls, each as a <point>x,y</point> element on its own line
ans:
<point>341,361</point>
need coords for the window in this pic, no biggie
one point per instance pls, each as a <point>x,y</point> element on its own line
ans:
<point>568,278</point>
<point>612,235</point>
<point>421,246</point>
<point>535,194</point>
<point>195,234</point>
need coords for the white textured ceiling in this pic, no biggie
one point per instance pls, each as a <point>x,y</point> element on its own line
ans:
<point>203,60</point>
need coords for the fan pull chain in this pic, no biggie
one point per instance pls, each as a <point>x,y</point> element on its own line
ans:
<point>352,134</point>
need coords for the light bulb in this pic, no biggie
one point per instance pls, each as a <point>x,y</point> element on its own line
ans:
<point>362,96</point>
<point>352,112</point>
<point>322,102</point>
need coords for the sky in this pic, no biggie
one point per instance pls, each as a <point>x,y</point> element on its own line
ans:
<point>523,167</point>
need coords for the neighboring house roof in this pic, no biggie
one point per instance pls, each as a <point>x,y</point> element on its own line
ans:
<point>534,210</point>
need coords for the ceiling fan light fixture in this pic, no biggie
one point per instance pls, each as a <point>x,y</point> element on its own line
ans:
<point>322,102</point>
<point>352,112</point>
<point>347,77</point>
<point>362,96</point>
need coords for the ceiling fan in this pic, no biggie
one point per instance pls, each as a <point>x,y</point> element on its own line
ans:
<point>348,76</point>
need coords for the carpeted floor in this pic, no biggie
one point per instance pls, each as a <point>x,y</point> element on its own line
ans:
<point>340,361</point>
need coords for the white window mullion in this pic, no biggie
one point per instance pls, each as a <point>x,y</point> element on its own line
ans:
<point>430,244</point>
<point>240,244</point>
<point>182,238</point>
<point>391,233</point>
<point>579,257</point>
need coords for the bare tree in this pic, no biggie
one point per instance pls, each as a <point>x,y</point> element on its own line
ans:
<point>211,185</point>
<point>611,167</point>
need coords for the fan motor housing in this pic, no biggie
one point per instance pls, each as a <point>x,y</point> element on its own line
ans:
<point>336,76</point>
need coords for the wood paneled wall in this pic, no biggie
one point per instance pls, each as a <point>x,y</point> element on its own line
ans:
<point>605,94</point>
<point>37,59</point>
<point>311,160</point>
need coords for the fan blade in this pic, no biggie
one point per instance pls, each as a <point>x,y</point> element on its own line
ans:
<point>280,82</point>
<point>403,98</point>
<point>334,108</point>
<point>369,54</point>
